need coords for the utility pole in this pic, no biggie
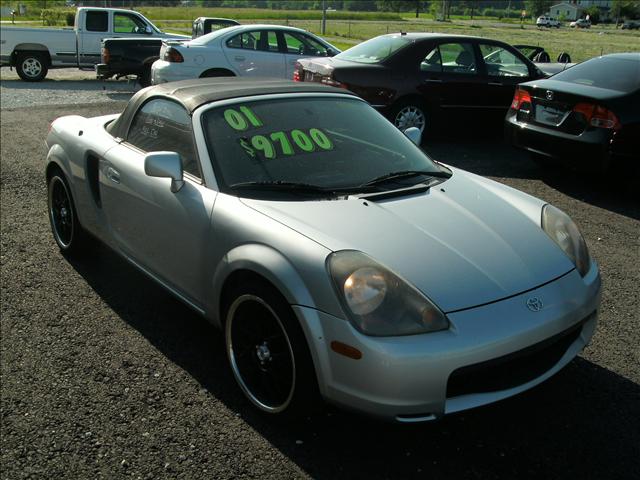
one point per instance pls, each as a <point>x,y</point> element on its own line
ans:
<point>417,8</point>
<point>324,17</point>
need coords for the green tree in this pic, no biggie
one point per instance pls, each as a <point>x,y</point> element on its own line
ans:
<point>537,7</point>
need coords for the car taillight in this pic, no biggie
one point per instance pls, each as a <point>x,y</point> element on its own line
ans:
<point>520,97</point>
<point>597,116</point>
<point>172,55</point>
<point>105,54</point>
<point>296,76</point>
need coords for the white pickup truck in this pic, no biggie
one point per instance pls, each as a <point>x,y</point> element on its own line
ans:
<point>33,51</point>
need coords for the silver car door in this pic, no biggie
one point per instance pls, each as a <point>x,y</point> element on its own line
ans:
<point>165,233</point>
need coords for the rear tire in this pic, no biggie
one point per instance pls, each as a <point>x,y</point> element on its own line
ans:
<point>268,353</point>
<point>32,66</point>
<point>67,231</point>
<point>411,113</point>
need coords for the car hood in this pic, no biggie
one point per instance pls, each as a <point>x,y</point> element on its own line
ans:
<point>463,243</point>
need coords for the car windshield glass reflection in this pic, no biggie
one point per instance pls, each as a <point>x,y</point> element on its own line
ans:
<point>598,73</point>
<point>374,50</point>
<point>328,143</point>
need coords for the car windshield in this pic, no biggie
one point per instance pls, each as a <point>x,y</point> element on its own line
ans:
<point>375,50</point>
<point>620,74</point>
<point>327,143</point>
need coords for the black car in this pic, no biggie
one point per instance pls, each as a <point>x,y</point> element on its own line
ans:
<point>203,25</point>
<point>590,112</point>
<point>425,79</point>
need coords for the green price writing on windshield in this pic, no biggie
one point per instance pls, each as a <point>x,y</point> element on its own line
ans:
<point>305,142</point>
<point>242,119</point>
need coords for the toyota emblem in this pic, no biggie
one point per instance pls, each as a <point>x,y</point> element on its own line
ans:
<point>549,95</point>
<point>534,304</point>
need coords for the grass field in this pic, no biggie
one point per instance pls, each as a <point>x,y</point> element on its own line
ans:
<point>580,44</point>
<point>345,29</point>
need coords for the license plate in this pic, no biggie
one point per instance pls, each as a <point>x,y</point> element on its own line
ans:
<point>549,115</point>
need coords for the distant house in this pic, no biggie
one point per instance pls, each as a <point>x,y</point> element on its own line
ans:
<point>567,11</point>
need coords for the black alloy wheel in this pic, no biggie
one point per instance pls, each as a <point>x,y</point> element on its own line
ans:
<point>67,232</point>
<point>268,353</point>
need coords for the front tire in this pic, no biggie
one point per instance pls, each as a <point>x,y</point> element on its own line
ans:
<point>67,231</point>
<point>32,66</point>
<point>268,352</point>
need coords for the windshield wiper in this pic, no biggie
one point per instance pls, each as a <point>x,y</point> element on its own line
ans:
<point>297,187</point>
<point>405,174</point>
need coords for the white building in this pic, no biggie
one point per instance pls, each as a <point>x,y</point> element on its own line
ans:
<point>566,11</point>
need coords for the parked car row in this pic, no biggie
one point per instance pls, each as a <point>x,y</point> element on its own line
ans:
<point>135,56</point>
<point>33,51</point>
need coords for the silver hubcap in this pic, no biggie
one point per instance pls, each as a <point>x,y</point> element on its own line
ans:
<point>410,116</point>
<point>32,67</point>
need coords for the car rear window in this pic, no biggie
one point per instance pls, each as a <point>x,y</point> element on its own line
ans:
<point>331,142</point>
<point>375,50</point>
<point>620,74</point>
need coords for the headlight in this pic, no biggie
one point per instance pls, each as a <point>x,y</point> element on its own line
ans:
<point>562,230</point>
<point>377,301</point>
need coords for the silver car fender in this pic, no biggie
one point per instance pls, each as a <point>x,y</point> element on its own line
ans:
<point>267,262</point>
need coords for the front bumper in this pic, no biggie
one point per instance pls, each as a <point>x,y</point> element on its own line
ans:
<point>422,377</point>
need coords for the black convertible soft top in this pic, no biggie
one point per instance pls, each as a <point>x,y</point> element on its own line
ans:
<point>195,93</point>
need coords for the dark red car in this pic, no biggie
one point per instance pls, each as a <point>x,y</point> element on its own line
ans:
<point>426,79</point>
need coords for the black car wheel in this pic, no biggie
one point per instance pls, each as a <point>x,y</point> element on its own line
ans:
<point>410,114</point>
<point>31,67</point>
<point>267,351</point>
<point>67,232</point>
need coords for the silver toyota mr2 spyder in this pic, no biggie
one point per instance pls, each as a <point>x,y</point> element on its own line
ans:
<point>341,262</point>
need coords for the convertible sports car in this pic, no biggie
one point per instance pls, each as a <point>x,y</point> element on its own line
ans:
<point>340,260</point>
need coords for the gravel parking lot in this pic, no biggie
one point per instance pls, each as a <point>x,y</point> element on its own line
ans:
<point>104,375</point>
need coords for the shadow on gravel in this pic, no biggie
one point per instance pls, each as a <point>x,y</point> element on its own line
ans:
<point>82,85</point>
<point>486,154</point>
<point>583,423</point>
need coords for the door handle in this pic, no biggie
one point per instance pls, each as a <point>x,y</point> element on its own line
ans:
<point>497,84</point>
<point>433,80</point>
<point>113,175</point>
<point>238,58</point>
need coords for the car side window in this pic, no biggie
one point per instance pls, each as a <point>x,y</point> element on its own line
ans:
<point>97,21</point>
<point>300,44</point>
<point>458,58</point>
<point>502,63</point>
<point>263,40</point>
<point>163,125</point>
<point>432,62</point>
<point>125,23</point>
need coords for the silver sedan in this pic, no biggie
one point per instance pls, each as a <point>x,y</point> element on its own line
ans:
<point>341,262</point>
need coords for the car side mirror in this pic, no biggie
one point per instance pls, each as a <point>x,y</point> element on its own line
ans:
<point>165,165</point>
<point>414,134</point>
<point>148,30</point>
